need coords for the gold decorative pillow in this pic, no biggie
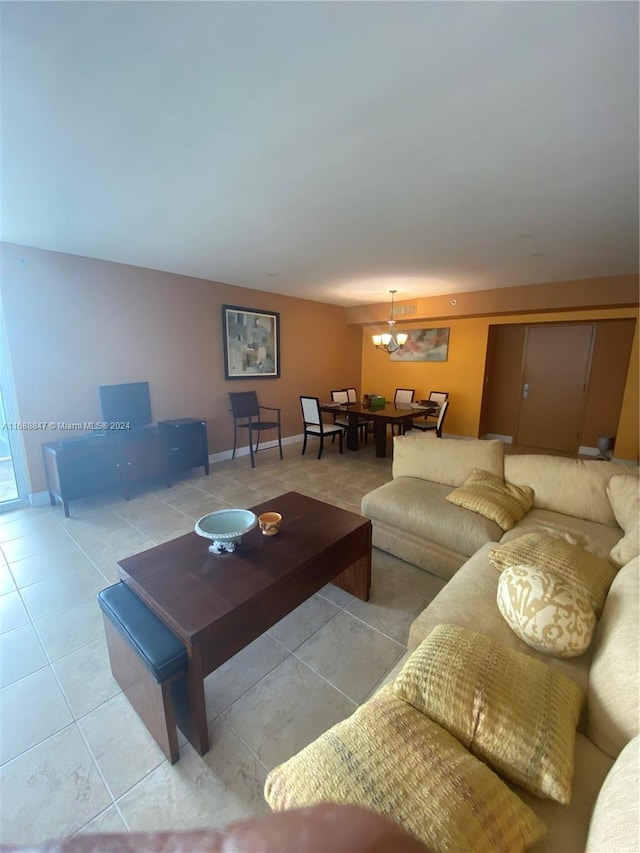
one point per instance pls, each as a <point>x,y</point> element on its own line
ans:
<point>624,497</point>
<point>546,611</point>
<point>397,762</point>
<point>589,573</point>
<point>489,495</point>
<point>511,710</point>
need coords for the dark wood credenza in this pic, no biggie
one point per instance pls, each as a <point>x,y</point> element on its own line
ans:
<point>79,467</point>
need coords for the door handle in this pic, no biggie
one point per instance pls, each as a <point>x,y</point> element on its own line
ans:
<point>525,390</point>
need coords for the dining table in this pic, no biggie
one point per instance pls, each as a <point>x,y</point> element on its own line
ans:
<point>391,413</point>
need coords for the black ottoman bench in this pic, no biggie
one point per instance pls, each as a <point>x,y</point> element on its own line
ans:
<point>147,660</point>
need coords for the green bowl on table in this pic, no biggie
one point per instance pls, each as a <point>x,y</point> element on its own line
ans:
<point>225,528</point>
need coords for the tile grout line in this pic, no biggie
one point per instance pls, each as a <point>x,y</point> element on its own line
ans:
<point>326,680</point>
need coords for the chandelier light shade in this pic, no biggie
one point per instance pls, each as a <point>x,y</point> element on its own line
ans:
<point>386,341</point>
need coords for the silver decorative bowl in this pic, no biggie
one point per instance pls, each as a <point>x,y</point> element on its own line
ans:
<point>225,528</point>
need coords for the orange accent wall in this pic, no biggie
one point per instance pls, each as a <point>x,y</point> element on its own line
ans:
<point>75,323</point>
<point>628,436</point>
<point>462,375</point>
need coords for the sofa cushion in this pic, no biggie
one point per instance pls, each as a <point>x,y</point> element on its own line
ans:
<point>626,548</point>
<point>597,538</point>
<point>159,648</point>
<point>417,507</point>
<point>567,826</point>
<point>469,600</point>
<point>447,461</point>
<point>624,497</point>
<point>614,683</point>
<point>582,569</point>
<point>512,711</point>
<point>435,559</point>
<point>390,758</point>
<point>490,496</point>
<point>546,611</point>
<point>571,486</point>
<point>614,824</point>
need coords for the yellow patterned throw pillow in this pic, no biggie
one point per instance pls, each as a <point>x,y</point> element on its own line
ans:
<point>489,495</point>
<point>511,710</point>
<point>395,761</point>
<point>586,571</point>
<point>546,611</point>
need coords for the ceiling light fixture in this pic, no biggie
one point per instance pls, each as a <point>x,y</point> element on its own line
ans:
<point>386,341</point>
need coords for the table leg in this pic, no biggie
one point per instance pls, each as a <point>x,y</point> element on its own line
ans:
<point>197,733</point>
<point>380,435</point>
<point>356,579</point>
<point>352,432</point>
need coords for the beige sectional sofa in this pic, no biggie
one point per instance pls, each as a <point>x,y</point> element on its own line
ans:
<point>412,520</point>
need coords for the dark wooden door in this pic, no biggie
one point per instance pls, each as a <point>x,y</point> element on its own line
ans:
<point>554,386</point>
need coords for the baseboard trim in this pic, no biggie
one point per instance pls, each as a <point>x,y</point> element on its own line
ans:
<point>226,455</point>
<point>39,498</point>
<point>492,436</point>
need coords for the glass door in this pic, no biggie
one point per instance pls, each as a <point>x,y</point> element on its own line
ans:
<point>13,480</point>
<point>8,484</point>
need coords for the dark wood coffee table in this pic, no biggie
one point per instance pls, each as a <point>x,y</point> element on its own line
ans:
<point>218,604</point>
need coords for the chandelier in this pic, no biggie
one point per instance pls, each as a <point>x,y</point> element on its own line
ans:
<point>386,341</point>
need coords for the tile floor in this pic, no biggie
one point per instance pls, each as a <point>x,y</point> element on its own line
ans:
<point>74,756</point>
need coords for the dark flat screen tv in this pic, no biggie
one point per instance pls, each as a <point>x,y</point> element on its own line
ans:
<point>127,404</point>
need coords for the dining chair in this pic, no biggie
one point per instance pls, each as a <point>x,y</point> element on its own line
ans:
<point>438,396</point>
<point>313,424</point>
<point>402,395</point>
<point>426,426</point>
<point>247,415</point>
<point>367,423</point>
<point>343,398</point>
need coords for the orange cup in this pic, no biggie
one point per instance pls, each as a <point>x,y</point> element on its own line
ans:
<point>269,523</point>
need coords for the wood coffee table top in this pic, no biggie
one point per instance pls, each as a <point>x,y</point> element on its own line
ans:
<point>190,588</point>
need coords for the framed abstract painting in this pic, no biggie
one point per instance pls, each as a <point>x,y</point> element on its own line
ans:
<point>424,345</point>
<point>251,340</point>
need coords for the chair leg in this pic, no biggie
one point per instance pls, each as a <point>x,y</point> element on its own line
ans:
<point>280,442</point>
<point>304,443</point>
<point>234,439</point>
<point>321,445</point>
<point>253,461</point>
<point>340,434</point>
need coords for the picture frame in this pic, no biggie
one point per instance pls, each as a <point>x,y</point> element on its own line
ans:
<point>424,345</point>
<point>251,342</point>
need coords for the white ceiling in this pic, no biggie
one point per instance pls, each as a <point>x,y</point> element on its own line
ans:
<point>329,150</point>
